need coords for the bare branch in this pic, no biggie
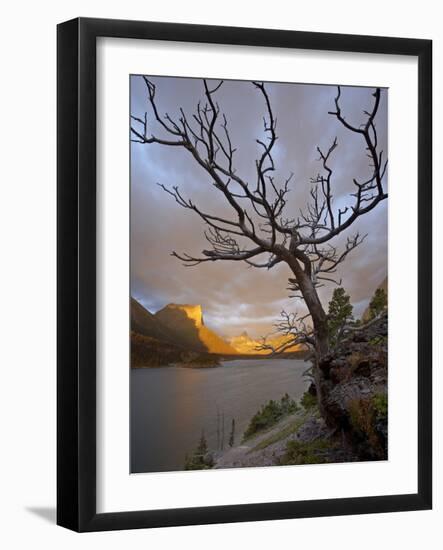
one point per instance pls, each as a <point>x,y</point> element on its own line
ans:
<point>204,143</point>
<point>294,328</point>
<point>257,209</point>
<point>212,256</point>
<point>367,195</point>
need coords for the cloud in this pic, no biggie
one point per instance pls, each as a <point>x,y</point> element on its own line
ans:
<point>234,296</point>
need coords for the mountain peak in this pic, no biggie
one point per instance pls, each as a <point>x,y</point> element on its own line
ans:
<point>186,321</point>
<point>192,311</point>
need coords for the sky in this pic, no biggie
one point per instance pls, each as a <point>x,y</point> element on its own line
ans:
<point>234,296</point>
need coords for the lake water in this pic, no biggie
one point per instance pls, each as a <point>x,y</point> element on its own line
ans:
<point>170,406</point>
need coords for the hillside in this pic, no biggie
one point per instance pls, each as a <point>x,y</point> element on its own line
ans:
<point>145,323</point>
<point>149,352</point>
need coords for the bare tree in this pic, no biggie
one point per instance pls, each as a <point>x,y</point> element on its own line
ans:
<point>296,330</point>
<point>259,231</point>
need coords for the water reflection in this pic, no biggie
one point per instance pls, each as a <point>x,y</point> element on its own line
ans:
<point>171,406</point>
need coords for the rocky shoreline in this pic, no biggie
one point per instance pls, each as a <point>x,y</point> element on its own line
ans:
<point>355,389</point>
<point>353,426</point>
<point>315,443</point>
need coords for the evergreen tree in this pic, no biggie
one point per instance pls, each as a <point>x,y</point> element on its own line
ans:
<point>199,460</point>
<point>378,303</point>
<point>339,314</point>
<point>232,434</point>
<point>202,448</point>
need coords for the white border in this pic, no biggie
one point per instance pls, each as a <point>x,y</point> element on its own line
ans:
<point>116,489</point>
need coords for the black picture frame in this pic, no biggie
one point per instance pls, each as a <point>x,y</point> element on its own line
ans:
<point>76,296</point>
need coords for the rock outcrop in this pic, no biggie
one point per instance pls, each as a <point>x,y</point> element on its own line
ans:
<point>175,313</point>
<point>300,438</point>
<point>186,322</point>
<point>354,390</point>
<point>155,344</point>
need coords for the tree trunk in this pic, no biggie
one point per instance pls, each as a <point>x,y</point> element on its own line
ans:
<point>319,321</point>
<point>318,314</point>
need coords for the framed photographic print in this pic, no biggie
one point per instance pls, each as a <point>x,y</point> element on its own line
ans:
<point>244,274</point>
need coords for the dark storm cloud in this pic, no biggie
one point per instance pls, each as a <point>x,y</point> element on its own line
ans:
<point>235,297</point>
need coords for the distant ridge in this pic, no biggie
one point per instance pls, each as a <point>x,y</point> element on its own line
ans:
<point>179,328</point>
<point>145,323</point>
<point>246,345</point>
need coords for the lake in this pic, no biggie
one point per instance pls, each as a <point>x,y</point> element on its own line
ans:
<point>170,406</point>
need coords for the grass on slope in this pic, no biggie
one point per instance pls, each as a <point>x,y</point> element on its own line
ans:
<point>285,432</point>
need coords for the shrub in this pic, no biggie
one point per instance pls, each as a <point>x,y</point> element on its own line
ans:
<point>378,303</point>
<point>378,341</point>
<point>364,414</point>
<point>199,459</point>
<point>308,401</point>
<point>380,404</point>
<point>368,418</point>
<point>361,415</point>
<point>310,452</point>
<point>270,414</point>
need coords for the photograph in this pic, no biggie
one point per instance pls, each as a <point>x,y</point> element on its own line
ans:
<point>258,274</point>
<point>223,228</point>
